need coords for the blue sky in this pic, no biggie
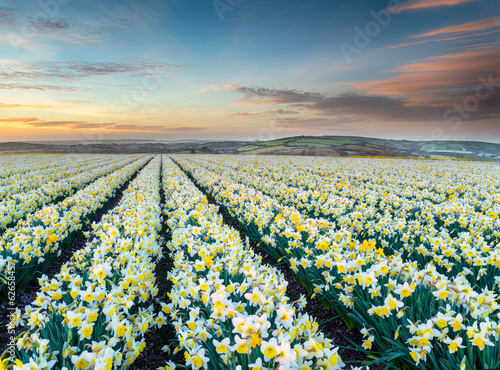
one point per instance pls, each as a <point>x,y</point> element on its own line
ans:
<point>243,69</point>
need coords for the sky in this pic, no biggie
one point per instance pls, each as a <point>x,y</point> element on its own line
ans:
<point>249,69</point>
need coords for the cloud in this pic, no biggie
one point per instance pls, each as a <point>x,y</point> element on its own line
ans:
<point>73,70</point>
<point>425,89</point>
<point>7,16</point>
<point>211,88</point>
<point>78,125</point>
<point>173,112</point>
<point>18,119</point>
<point>54,76</point>
<point>69,124</point>
<point>33,35</point>
<point>441,39</point>
<point>462,32</point>
<point>24,106</point>
<point>243,115</point>
<point>283,111</point>
<point>56,24</point>
<point>469,27</point>
<point>392,109</point>
<point>462,62</point>
<point>261,95</point>
<point>418,92</point>
<point>376,107</point>
<point>438,80</point>
<point>89,29</point>
<point>350,100</point>
<point>362,106</point>
<point>83,30</point>
<point>426,4</point>
<point>265,113</point>
<point>17,86</point>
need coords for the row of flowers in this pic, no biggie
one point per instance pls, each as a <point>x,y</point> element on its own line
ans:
<point>34,242</point>
<point>12,164</point>
<point>94,313</point>
<point>20,182</point>
<point>61,185</point>
<point>427,317</point>
<point>229,310</point>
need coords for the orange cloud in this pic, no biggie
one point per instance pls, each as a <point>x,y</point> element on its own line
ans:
<point>33,122</point>
<point>19,119</point>
<point>173,112</point>
<point>24,106</point>
<point>452,38</point>
<point>436,80</point>
<point>212,88</point>
<point>464,28</point>
<point>75,125</point>
<point>475,61</point>
<point>426,4</point>
<point>242,115</point>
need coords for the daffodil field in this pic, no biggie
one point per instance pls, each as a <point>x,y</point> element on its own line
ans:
<point>55,186</point>
<point>407,250</point>
<point>93,313</point>
<point>229,310</point>
<point>33,242</point>
<point>404,250</point>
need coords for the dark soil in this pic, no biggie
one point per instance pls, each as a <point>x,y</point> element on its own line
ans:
<point>29,294</point>
<point>152,356</point>
<point>335,330</point>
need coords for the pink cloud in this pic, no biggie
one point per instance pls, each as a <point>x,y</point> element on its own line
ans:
<point>211,88</point>
<point>436,80</point>
<point>464,28</point>
<point>452,38</point>
<point>426,4</point>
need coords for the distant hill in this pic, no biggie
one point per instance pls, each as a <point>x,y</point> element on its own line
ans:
<point>362,146</point>
<point>299,145</point>
<point>16,147</point>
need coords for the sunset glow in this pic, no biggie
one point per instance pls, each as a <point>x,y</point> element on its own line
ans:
<point>169,70</point>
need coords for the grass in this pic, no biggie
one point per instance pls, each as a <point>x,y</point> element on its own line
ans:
<point>310,144</point>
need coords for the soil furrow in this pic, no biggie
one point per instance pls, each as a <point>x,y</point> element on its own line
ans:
<point>153,356</point>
